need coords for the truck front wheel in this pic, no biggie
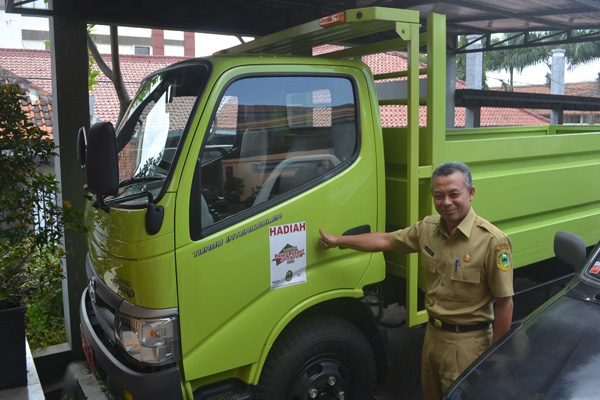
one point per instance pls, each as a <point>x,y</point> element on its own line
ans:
<point>319,358</point>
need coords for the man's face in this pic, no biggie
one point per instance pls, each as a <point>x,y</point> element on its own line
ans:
<point>451,198</point>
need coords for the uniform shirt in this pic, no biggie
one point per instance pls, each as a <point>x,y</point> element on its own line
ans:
<point>465,271</point>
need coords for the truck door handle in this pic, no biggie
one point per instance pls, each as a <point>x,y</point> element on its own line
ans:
<point>358,230</point>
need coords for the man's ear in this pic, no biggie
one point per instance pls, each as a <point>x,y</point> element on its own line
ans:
<point>471,193</point>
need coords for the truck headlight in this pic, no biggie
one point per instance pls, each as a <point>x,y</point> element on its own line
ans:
<point>149,341</point>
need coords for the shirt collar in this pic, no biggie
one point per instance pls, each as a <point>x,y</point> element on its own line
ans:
<point>465,226</point>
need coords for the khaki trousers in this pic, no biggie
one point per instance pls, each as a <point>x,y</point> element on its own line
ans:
<point>446,355</point>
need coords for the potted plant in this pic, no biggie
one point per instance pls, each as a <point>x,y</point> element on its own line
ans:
<point>31,227</point>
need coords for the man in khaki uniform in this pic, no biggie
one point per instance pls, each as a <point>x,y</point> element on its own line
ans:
<point>467,263</point>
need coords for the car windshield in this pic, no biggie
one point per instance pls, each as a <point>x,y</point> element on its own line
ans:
<point>149,136</point>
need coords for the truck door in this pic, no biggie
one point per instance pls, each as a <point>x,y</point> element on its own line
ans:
<point>282,155</point>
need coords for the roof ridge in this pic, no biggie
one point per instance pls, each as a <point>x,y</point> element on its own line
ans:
<point>13,50</point>
<point>25,84</point>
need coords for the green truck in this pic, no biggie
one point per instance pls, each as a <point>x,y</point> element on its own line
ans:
<point>206,280</point>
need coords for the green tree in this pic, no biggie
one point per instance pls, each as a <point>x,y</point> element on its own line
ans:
<point>582,52</point>
<point>516,60</point>
<point>511,61</point>
<point>114,74</point>
<point>31,220</point>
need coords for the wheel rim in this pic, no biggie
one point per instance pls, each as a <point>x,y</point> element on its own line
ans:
<point>324,377</point>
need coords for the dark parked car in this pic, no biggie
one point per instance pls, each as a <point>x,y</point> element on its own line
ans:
<point>555,352</point>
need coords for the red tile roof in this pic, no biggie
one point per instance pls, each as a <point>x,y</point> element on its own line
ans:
<point>392,116</point>
<point>583,89</point>
<point>34,66</point>
<point>36,101</point>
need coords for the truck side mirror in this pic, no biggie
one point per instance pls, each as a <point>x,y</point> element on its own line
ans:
<point>81,146</point>
<point>570,248</point>
<point>102,163</point>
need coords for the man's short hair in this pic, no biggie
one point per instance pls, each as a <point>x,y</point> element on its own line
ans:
<point>448,168</point>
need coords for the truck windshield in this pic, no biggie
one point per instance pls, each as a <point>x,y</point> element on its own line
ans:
<point>149,135</point>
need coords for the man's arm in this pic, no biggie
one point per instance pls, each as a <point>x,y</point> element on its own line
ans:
<point>502,317</point>
<point>369,242</point>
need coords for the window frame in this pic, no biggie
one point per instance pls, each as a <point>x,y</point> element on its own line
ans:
<point>184,135</point>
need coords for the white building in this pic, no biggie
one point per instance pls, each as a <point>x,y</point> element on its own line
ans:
<point>24,32</point>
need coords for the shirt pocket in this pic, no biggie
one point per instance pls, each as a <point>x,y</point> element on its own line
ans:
<point>466,275</point>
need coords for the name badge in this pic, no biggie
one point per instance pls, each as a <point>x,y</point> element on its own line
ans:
<point>430,251</point>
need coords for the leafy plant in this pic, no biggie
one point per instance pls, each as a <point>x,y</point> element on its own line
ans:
<point>31,220</point>
<point>43,296</point>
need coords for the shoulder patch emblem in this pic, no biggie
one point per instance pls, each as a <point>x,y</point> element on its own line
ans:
<point>504,260</point>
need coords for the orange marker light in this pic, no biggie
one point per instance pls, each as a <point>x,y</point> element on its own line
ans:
<point>330,20</point>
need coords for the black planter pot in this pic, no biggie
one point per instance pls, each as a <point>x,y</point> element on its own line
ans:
<point>13,358</point>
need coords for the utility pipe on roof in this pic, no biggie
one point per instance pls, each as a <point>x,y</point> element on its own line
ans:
<point>474,78</point>
<point>557,83</point>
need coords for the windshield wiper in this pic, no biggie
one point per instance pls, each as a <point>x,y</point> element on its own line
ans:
<point>138,180</point>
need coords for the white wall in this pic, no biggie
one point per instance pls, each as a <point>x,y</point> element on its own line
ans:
<point>36,23</point>
<point>12,24</point>
<point>173,35</point>
<point>10,31</point>
<point>123,31</point>
<point>207,43</point>
<point>177,51</point>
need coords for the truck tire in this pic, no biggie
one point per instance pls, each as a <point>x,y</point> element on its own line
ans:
<point>319,358</point>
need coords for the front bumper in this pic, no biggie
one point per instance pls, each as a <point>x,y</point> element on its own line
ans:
<point>119,378</point>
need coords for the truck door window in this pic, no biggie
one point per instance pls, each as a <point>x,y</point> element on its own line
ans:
<point>272,138</point>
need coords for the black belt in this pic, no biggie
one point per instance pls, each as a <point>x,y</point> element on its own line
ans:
<point>457,328</point>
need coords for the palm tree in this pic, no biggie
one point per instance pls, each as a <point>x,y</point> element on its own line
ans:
<point>503,60</point>
<point>516,60</point>
<point>512,60</point>
<point>582,52</point>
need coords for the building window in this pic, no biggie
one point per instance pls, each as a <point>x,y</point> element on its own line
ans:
<point>590,118</point>
<point>142,50</point>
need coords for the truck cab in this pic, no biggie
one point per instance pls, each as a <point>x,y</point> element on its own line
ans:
<point>242,160</point>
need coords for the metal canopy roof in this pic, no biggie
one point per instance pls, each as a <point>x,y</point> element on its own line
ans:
<point>489,16</point>
<point>260,17</point>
